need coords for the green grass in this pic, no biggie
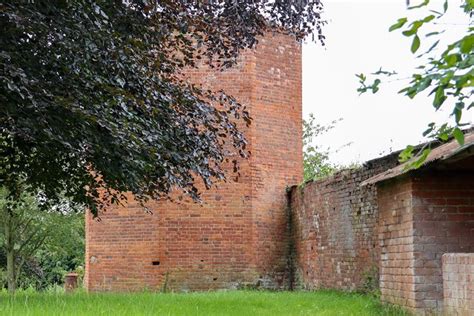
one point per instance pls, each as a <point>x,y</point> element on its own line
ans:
<point>208,303</point>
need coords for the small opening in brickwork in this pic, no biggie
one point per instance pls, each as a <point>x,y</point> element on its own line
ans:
<point>214,279</point>
<point>359,211</point>
<point>155,263</point>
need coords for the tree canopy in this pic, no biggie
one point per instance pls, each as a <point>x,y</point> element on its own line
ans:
<point>93,101</point>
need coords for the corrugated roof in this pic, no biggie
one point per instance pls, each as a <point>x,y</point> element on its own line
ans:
<point>441,153</point>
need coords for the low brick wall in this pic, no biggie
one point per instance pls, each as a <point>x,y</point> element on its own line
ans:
<point>458,283</point>
<point>334,223</point>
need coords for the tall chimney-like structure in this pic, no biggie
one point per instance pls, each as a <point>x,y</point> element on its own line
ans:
<point>239,236</point>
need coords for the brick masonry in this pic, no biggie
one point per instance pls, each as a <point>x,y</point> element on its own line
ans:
<point>335,229</point>
<point>396,240</point>
<point>239,235</point>
<point>397,231</point>
<point>423,216</point>
<point>443,217</point>
<point>458,283</point>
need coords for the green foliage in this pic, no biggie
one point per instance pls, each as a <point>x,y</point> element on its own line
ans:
<point>370,282</point>
<point>401,22</point>
<point>204,303</point>
<point>43,245</point>
<point>316,163</point>
<point>61,254</point>
<point>448,76</point>
<point>93,101</point>
<point>364,87</point>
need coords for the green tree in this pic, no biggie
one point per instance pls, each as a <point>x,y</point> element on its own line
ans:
<point>93,97</point>
<point>62,252</point>
<point>25,229</point>
<point>316,162</point>
<point>447,73</point>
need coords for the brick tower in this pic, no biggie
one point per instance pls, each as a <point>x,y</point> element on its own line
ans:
<point>239,235</point>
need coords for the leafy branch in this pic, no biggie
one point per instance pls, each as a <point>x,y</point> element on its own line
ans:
<point>449,76</point>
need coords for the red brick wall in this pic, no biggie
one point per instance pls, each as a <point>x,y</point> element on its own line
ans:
<point>423,216</point>
<point>277,160</point>
<point>443,222</point>
<point>335,229</point>
<point>239,235</point>
<point>458,283</point>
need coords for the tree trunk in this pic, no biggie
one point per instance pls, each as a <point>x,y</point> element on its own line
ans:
<point>11,277</point>
<point>10,252</point>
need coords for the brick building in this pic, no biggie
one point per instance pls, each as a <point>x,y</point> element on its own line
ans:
<point>381,226</point>
<point>423,215</point>
<point>239,235</point>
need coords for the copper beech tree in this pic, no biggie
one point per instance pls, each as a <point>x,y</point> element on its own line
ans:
<point>92,96</point>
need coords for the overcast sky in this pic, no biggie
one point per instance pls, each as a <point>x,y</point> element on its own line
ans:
<point>358,41</point>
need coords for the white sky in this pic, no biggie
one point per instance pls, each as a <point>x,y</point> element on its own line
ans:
<point>358,41</point>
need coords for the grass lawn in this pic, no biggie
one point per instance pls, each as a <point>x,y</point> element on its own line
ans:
<point>209,303</point>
